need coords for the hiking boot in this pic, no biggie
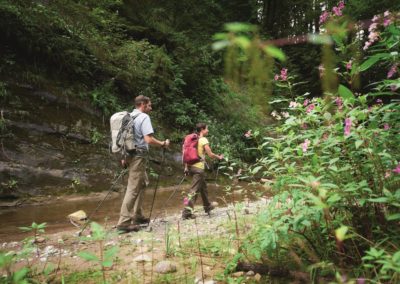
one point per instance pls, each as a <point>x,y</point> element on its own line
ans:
<point>188,216</point>
<point>128,228</point>
<point>209,208</point>
<point>141,220</point>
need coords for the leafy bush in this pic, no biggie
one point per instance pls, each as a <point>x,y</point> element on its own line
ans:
<point>335,166</point>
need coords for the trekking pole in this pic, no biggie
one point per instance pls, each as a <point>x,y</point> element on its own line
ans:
<point>123,172</point>
<point>169,198</point>
<point>155,190</point>
<point>216,175</point>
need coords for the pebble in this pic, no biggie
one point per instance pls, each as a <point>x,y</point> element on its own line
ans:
<point>142,258</point>
<point>250,273</point>
<point>165,266</point>
<point>238,274</point>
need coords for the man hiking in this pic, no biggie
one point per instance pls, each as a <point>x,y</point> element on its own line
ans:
<point>196,170</point>
<point>131,215</point>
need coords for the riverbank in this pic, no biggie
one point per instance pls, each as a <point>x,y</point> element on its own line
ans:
<point>168,240</point>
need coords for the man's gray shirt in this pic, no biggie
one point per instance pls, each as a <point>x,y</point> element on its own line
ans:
<point>142,126</point>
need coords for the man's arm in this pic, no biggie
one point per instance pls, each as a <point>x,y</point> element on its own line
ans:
<point>211,154</point>
<point>150,139</point>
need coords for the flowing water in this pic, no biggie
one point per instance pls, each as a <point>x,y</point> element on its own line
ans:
<point>55,213</point>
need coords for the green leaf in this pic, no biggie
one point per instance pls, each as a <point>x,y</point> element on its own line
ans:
<point>220,36</point>
<point>372,61</point>
<point>18,277</point>
<point>220,45</point>
<point>379,200</point>
<point>345,93</point>
<point>242,41</point>
<point>107,263</point>
<point>359,143</point>
<point>275,52</point>
<point>25,229</point>
<point>88,256</point>
<point>239,27</point>
<point>393,217</point>
<point>111,252</point>
<point>341,233</point>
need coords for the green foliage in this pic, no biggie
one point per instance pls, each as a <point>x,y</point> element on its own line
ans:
<point>334,163</point>
<point>18,277</point>
<point>107,256</point>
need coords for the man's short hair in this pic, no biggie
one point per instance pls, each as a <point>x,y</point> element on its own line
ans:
<point>141,100</point>
<point>200,126</point>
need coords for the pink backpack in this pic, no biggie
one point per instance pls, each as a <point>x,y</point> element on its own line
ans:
<point>190,155</point>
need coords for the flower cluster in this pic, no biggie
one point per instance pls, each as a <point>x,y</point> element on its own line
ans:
<point>282,76</point>
<point>305,145</point>
<point>336,11</point>
<point>339,103</point>
<point>392,71</point>
<point>347,126</point>
<point>248,134</point>
<point>397,169</point>
<point>278,116</point>
<point>373,28</point>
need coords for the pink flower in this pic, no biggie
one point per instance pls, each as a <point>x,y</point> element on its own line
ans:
<point>392,71</point>
<point>367,44</point>
<point>284,74</point>
<point>387,13</point>
<point>339,102</point>
<point>386,126</point>
<point>375,18</point>
<point>337,11</point>
<point>379,101</point>
<point>349,64</point>
<point>310,108</point>
<point>360,281</point>
<point>372,27</point>
<point>186,201</point>
<point>347,126</point>
<point>386,22</point>
<point>293,105</point>
<point>341,5</point>
<point>397,169</point>
<point>276,77</point>
<point>304,126</point>
<point>388,174</point>
<point>323,17</point>
<point>373,36</point>
<point>248,134</point>
<point>305,145</point>
<point>306,102</point>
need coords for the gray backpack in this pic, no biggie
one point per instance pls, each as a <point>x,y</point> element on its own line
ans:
<point>122,133</point>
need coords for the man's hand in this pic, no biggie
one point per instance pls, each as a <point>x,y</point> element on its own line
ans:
<point>166,143</point>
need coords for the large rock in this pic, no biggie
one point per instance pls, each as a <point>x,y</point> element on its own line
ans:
<point>165,266</point>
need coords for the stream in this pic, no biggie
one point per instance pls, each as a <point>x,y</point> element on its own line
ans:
<point>55,212</point>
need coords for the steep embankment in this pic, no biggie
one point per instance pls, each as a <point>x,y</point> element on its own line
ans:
<point>53,142</point>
